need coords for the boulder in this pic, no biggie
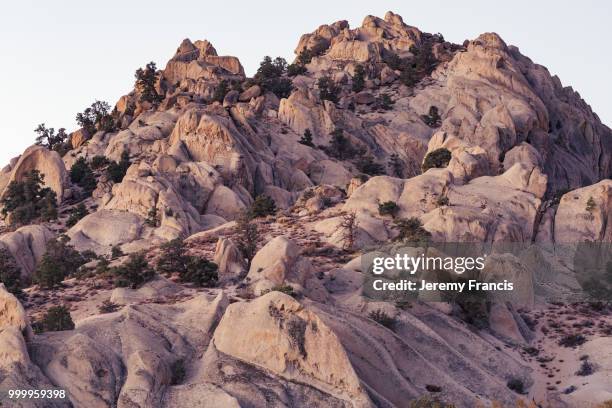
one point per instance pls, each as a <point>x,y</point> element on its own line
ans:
<point>77,138</point>
<point>102,230</point>
<point>47,162</point>
<point>229,259</point>
<point>577,221</point>
<point>253,92</point>
<point>27,245</point>
<point>278,261</point>
<point>277,333</point>
<point>230,98</point>
<point>226,203</point>
<point>12,313</point>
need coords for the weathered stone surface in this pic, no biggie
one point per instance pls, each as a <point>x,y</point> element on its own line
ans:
<point>277,333</point>
<point>47,162</point>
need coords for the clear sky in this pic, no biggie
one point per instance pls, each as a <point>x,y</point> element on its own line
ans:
<point>56,57</point>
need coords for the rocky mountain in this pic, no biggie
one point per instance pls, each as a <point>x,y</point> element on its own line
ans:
<point>473,142</point>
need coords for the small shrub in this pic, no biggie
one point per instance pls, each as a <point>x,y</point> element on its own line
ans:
<point>200,272</point>
<point>108,307</point>
<point>178,372</point>
<point>340,147</point>
<point>82,175</point>
<point>296,328</point>
<point>382,318</point>
<point>428,402</point>
<point>411,231</point>
<point>220,91</point>
<point>358,79</point>
<point>98,162</point>
<point>433,388</point>
<point>262,207</point>
<point>296,69</point>
<point>586,368</point>
<point>116,252</point>
<point>572,340</point>
<point>348,229</point>
<point>367,165</point>
<point>134,272</point>
<point>77,213</point>
<point>152,219</point>
<point>432,119</point>
<point>10,273</point>
<point>386,102</point>
<point>286,289</point>
<point>396,165</point>
<point>57,318</point>
<point>172,258</point>
<point>116,170</point>
<point>438,158</point>
<point>248,235</point>
<point>388,208</point>
<point>516,385</point>
<point>307,138</point>
<point>590,205</point>
<point>442,201</point>
<point>328,90</point>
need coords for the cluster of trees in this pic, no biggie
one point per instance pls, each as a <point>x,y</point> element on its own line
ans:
<point>82,175</point>
<point>192,269</point>
<point>27,200</point>
<point>96,117</point>
<point>421,64</point>
<point>270,77</point>
<point>59,261</point>
<point>48,138</point>
<point>146,79</point>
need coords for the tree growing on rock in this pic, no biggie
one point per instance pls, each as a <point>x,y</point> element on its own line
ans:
<point>269,76</point>
<point>220,91</point>
<point>134,272</point>
<point>116,170</point>
<point>411,231</point>
<point>438,158</point>
<point>146,79</point>
<point>82,175</point>
<point>51,140</point>
<point>96,117</point>
<point>172,256</point>
<point>200,271</point>
<point>10,274</point>
<point>328,90</point>
<point>262,206</point>
<point>193,269</point>
<point>27,200</point>
<point>59,261</point>
<point>397,165</point>
<point>57,318</point>
<point>340,147</point>
<point>248,235</point>
<point>367,165</point>
<point>358,79</point>
<point>77,213</point>
<point>432,119</point>
<point>348,229</point>
<point>307,138</point>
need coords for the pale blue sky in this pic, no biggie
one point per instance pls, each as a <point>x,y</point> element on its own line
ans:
<point>58,58</point>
